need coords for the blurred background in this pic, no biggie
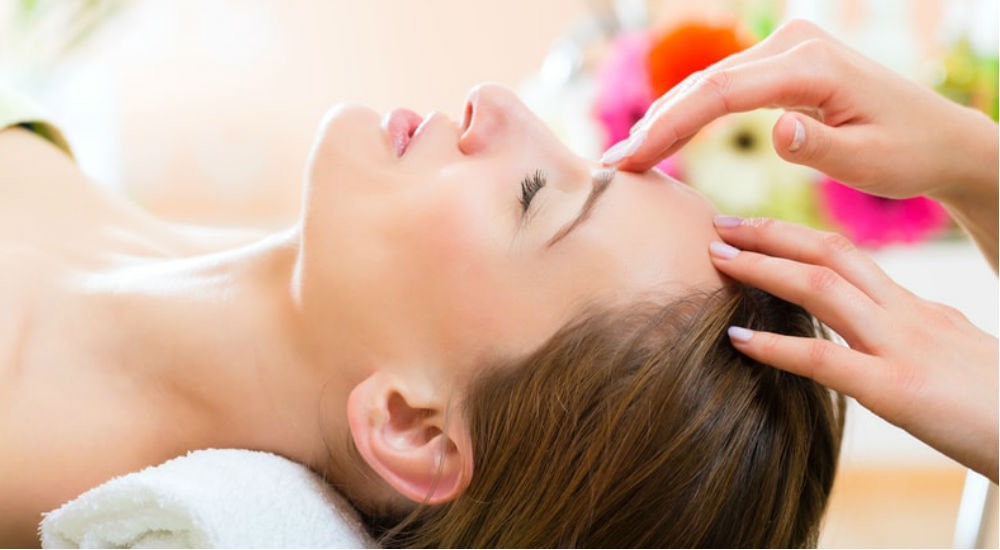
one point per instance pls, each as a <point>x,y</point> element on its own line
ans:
<point>203,111</point>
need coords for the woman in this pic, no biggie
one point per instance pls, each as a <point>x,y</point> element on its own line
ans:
<point>478,337</point>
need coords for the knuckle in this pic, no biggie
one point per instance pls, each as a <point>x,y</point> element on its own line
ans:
<point>767,346</point>
<point>719,83</point>
<point>955,315</point>
<point>905,378</point>
<point>817,49</point>
<point>938,315</point>
<point>833,244</point>
<point>762,224</point>
<point>689,82</point>
<point>818,353</point>
<point>798,28</point>
<point>753,262</point>
<point>821,279</point>
<point>655,106</point>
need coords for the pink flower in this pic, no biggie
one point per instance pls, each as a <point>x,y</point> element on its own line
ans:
<point>624,92</point>
<point>874,221</point>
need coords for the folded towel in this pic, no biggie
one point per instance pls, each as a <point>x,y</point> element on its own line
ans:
<point>213,498</point>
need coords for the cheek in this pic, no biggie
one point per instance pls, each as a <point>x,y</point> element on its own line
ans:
<point>479,297</point>
<point>453,253</point>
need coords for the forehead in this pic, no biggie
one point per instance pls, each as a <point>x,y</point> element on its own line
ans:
<point>648,232</point>
<point>647,235</point>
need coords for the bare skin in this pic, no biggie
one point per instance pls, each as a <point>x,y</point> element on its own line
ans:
<point>127,340</point>
<point>69,419</point>
<point>920,365</point>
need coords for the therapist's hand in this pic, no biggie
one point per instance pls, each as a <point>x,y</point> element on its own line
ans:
<point>849,117</point>
<point>920,365</point>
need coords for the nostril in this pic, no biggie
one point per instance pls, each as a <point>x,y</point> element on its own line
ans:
<point>467,116</point>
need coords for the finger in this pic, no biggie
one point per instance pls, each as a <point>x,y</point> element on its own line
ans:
<point>806,245</point>
<point>837,367</point>
<point>820,290</point>
<point>783,38</point>
<point>791,79</point>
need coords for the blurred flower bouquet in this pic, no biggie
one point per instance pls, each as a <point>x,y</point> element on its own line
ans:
<point>732,160</point>
<point>36,35</point>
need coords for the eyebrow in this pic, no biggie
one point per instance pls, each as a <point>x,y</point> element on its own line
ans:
<point>601,181</point>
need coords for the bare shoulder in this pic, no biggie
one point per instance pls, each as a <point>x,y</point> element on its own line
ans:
<point>40,184</point>
<point>22,274</point>
<point>57,417</point>
<point>62,421</point>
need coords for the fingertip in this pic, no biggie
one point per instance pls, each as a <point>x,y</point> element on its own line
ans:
<point>624,149</point>
<point>722,250</point>
<point>788,134</point>
<point>739,335</point>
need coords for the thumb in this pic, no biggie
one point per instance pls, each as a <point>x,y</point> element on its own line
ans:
<point>804,140</point>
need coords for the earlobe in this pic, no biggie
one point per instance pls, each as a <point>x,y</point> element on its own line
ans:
<point>405,440</point>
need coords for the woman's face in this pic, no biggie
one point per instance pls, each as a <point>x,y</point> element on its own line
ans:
<point>470,245</point>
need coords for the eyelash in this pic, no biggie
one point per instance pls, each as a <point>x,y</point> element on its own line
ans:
<point>530,185</point>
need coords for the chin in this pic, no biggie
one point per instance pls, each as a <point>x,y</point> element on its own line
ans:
<point>348,145</point>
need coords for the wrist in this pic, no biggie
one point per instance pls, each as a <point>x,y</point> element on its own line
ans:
<point>972,177</point>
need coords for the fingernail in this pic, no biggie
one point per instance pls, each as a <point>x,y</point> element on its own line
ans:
<point>624,149</point>
<point>799,137</point>
<point>727,221</point>
<point>723,250</point>
<point>740,334</point>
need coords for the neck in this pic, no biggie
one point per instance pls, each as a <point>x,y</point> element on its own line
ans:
<point>217,341</point>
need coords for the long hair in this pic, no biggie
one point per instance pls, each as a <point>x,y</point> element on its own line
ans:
<point>642,426</point>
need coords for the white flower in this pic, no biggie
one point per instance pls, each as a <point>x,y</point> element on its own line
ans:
<point>732,161</point>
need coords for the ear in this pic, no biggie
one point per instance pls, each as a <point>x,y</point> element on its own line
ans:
<point>402,436</point>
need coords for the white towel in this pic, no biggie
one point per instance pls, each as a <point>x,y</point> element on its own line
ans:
<point>213,498</point>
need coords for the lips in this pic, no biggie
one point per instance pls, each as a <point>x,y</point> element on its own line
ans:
<point>401,124</point>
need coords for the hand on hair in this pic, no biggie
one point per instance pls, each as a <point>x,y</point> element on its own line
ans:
<point>849,117</point>
<point>920,365</point>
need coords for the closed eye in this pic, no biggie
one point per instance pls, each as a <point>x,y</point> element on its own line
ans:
<point>530,185</point>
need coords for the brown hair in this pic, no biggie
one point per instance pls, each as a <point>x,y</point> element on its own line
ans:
<point>642,426</point>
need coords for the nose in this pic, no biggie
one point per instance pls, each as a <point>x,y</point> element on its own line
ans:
<point>493,115</point>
